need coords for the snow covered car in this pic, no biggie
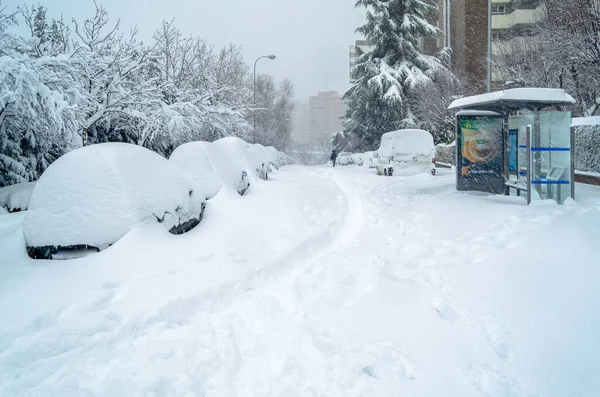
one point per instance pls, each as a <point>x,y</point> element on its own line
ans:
<point>192,158</point>
<point>357,159</point>
<point>406,152</point>
<point>257,160</point>
<point>344,158</point>
<point>15,198</point>
<point>273,155</point>
<point>91,197</point>
<point>228,160</point>
<point>370,160</point>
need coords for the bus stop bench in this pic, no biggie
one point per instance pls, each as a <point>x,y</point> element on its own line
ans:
<point>515,185</point>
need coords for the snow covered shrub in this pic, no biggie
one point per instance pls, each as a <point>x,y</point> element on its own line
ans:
<point>16,197</point>
<point>445,153</point>
<point>587,148</point>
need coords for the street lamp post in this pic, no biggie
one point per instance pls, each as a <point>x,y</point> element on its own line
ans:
<point>254,90</point>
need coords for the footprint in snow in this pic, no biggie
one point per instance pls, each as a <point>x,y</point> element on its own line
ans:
<point>492,383</point>
<point>444,309</point>
<point>499,339</point>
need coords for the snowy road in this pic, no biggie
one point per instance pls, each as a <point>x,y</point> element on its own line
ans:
<point>322,282</point>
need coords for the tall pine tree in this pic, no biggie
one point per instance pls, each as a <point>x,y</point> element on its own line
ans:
<point>386,78</point>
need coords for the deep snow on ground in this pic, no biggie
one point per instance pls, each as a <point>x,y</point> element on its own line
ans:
<point>321,282</point>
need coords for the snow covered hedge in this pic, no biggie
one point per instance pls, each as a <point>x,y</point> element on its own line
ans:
<point>16,197</point>
<point>446,153</point>
<point>587,148</point>
<point>95,195</point>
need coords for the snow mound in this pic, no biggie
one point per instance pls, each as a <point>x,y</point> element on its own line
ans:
<point>227,159</point>
<point>3,211</point>
<point>96,194</point>
<point>192,159</point>
<point>16,197</point>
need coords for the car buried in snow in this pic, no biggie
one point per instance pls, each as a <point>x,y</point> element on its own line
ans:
<point>228,161</point>
<point>91,197</point>
<point>344,158</point>
<point>192,158</point>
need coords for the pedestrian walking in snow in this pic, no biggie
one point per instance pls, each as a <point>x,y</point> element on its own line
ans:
<point>333,156</point>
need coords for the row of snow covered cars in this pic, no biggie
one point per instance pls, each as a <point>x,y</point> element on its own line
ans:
<point>402,152</point>
<point>91,197</point>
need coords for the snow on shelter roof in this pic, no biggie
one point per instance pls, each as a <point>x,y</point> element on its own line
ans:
<point>515,98</point>
<point>477,113</point>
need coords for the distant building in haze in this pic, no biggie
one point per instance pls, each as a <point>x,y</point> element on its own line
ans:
<point>326,110</point>
<point>301,123</point>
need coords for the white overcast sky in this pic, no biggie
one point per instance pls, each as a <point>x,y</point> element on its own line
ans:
<point>309,37</point>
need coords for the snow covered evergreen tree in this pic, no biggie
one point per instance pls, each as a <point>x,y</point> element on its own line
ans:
<point>386,77</point>
<point>36,114</point>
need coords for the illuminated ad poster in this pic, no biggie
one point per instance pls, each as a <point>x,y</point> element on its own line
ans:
<point>480,154</point>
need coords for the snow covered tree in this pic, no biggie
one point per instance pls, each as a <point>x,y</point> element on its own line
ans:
<point>107,65</point>
<point>431,105</point>
<point>208,88</point>
<point>59,90</point>
<point>571,31</point>
<point>37,118</point>
<point>274,107</point>
<point>387,77</point>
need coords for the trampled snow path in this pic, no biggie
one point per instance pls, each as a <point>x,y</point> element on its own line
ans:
<point>323,282</point>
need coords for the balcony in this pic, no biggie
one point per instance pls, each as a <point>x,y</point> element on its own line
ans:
<point>516,17</point>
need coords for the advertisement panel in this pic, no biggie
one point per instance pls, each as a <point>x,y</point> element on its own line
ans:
<point>512,150</point>
<point>480,154</point>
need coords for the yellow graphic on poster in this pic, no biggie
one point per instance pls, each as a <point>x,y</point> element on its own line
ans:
<point>481,146</point>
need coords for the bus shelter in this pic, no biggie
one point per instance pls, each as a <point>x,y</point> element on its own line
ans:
<point>519,139</point>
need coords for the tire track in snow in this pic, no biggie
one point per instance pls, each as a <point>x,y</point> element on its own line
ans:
<point>355,213</point>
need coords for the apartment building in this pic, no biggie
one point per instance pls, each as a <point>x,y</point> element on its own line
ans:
<point>301,123</point>
<point>464,28</point>
<point>353,54</point>
<point>325,110</point>
<point>513,33</point>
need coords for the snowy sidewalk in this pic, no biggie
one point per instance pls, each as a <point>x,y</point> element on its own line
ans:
<point>323,282</point>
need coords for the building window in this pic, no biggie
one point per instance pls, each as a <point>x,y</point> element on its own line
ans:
<point>498,9</point>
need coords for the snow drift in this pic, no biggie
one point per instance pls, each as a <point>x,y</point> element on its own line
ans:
<point>95,195</point>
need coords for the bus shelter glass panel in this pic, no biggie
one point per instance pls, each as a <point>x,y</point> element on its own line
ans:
<point>550,157</point>
<point>517,131</point>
